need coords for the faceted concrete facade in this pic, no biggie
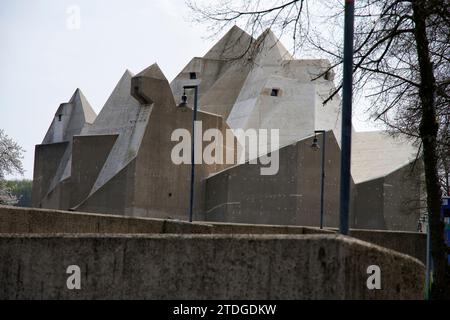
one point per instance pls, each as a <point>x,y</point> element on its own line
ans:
<point>120,161</point>
<point>242,87</point>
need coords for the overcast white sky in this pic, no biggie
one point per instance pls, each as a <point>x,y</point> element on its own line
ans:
<point>42,62</point>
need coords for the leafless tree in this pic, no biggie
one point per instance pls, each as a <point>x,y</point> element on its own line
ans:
<point>10,163</point>
<point>401,63</point>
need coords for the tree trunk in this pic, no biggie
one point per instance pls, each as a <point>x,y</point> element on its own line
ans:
<point>428,133</point>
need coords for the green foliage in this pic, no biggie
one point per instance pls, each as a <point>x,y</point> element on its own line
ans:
<point>21,190</point>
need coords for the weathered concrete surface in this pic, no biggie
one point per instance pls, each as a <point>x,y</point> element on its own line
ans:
<point>410,243</point>
<point>240,228</point>
<point>203,267</point>
<point>241,194</point>
<point>43,221</point>
<point>219,74</point>
<point>24,220</point>
<point>161,188</point>
<point>47,158</point>
<point>390,202</point>
<point>29,220</point>
<point>120,161</point>
<point>52,168</point>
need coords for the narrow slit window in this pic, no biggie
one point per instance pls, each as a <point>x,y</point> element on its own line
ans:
<point>59,117</point>
<point>193,75</point>
<point>275,92</point>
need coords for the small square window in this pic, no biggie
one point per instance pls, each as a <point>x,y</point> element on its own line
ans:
<point>275,92</point>
<point>193,75</point>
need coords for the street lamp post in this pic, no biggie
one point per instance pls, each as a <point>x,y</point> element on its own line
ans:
<point>346,145</point>
<point>183,104</point>
<point>315,146</point>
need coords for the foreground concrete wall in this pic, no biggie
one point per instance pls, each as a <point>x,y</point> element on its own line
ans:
<point>29,220</point>
<point>410,243</point>
<point>22,220</point>
<point>203,267</point>
<point>15,220</point>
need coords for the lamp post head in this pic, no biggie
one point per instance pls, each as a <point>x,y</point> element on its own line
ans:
<point>315,145</point>
<point>183,104</point>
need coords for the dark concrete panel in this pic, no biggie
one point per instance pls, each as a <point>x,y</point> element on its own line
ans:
<point>402,198</point>
<point>291,197</point>
<point>115,196</point>
<point>392,202</point>
<point>369,209</point>
<point>47,158</point>
<point>88,157</point>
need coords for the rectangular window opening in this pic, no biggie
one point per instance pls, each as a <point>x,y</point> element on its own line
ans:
<point>275,92</point>
<point>193,75</point>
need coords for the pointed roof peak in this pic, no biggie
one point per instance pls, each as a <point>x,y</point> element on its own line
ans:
<point>236,28</point>
<point>271,49</point>
<point>232,45</point>
<point>125,79</point>
<point>152,71</point>
<point>80,100</point>
<point>268,35</point>
<point>128,73</point>
<point>77,94</point>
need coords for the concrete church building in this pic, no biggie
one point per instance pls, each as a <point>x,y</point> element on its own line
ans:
<point>119,162</point>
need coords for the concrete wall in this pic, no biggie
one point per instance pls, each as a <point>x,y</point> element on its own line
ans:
<point>123,164</point>
<point>410,243</point>
<point>115,196</point>
<point>203,267</point>
<point>291,197</point>
<point>392,202</point>
<point>24,220</point>
<point>161,188</point>
<point>86,169</point>
<point>27,220</point>
<point>403,205</point>
<point>51,183</point>
<point>368,205</point>
<point>46,161</point>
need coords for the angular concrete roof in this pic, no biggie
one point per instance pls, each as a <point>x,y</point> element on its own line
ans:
<point>242,95</point>
<point>122,115</point>
<point>270,50</point>
<point>240,89</point>
<point>252,84</point>
<point>232,45</point>
<point>71,118</point>
<point>376,154</point>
